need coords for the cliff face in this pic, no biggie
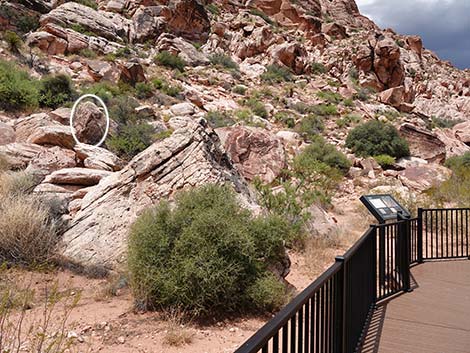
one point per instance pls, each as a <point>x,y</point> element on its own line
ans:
<point>271,64</point>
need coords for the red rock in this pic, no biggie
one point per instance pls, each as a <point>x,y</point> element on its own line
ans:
<point>7,134</point>
<point>423,144</point>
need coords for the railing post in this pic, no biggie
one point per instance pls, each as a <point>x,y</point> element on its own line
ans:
<point>419,244</point>
<point>405,255</point>
<point>340,319</point>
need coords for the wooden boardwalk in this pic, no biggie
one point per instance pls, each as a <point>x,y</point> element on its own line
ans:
<point>433,318</point>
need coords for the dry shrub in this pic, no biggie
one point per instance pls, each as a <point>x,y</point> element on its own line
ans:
<point>177,334</point>
<point>4,165</point>
<point>28,231</point>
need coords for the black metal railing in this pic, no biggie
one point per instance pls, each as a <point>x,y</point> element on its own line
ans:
<point>330,315</point>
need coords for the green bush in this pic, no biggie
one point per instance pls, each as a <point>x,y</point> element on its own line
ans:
<point>104,90</point>
<point>17,90</point>
<point>223,60</point>
<point>257,107</point>
<point>385,161</point>
<point>206,256</point>
<point>285,119</point>
<point>143,90</point>
<point>165,58</point>
<point>89,3</point>
<point>122,110</point>
<point>267,293</point>
<point>165,88</point>
<point>375,138</point>
<point>348,120</point>
<point>219,119</point>
<point>443,123</point>
<point>13,40</point>
<point>330,97</point>
<point>276,74</point>
<point>213,9</point>
<point>325,109</point>
<point>88,53</point>
<point>363,94</point>
<point>239,89</point>
<point>54,91</point>
<point>311,125</point>
<point>458,161</point>
<point>318,68</point>
<point>326,153</point>
<point>131,140</point>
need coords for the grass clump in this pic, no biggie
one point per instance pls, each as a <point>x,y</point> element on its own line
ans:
<point>13,40</point>
<point>374,138</point>
<point>385,161</point>
<point>285,119</point>
<point>166,88</point>
<point>223,60</point>
<point>276,74</point>
<point>348,120</point>
<point>213,9</point>
<point>89,3</point>
<point>56,90</point>
<point>239,89</point>
<point>18,91</point>
<point>257,107</point>
<point>443,123</point>
<point>172,61</point>
<point>318,68</point>
<point>311,125</point>
<point>143,90</point>
<point>131,140</point>
<point>219,119</point>
<point>330,97</point>
<point>205,255</point>
<point>325,109</point>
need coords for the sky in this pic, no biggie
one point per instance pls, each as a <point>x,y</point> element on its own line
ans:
<point>444,25</point>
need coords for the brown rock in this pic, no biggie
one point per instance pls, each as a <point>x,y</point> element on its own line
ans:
<point>423,144</point>
<point>76,176</point>
<point>334,30</point>
<point>424,177</point>
<point>254,151</point>
<point>50,160</point>
<point>131,73</point>
<point>7,134</point>
<point>18,155</point>
<point>387,64</point>
<point>189,20</point>
<point>462,131</point>
<point>190,157</point>
<point>53,135</point>
<point>454,145</point>
<point>292,55</point>
<point>148,23</point>
<point>61,115</point>
<point>416,44</point>
<point>29,125</point>
<point>102,70</point>
<point>89,123</point>
<point>47,42</point>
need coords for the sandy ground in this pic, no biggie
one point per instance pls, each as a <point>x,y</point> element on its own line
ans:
<point>104,319</point>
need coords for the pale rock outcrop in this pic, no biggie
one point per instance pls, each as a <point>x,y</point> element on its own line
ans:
<point>190,157</point>
<point>423,177</point>
<point>53,135</point>
<point>18,154</point>
<point>423,143</point>
<point>292,55</point>
<point>61,115</point>
<point>182,109</point>
<point>26,126</point>
<point>50,160</point>
<point>103,70</point>
<point>453,142</point>
<point>462,132</point>
<point>7,134</point>
<point>253,41</point>
<point>76,176</point>
<point>182,48</point>
<point>254,151</point>
<point>98,158</point>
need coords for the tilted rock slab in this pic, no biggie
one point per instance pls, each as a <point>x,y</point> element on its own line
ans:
<point>98,232</point>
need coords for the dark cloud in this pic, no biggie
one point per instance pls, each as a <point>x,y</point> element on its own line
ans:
<point>444,25</point>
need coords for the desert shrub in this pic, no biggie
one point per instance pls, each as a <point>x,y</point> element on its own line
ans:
<point>301,107</point>
<point>264,16</point>
<point>17,90</point>
<point>165,58</point>
<point>132,139</point>
<point>162,135</point>
<point>374,138</point>
<point>28,229</point>
<point>4,165</point>
<point>166,88</point>
<point>257,107</point>
<point>104,90</point>
<point>311,125</point>
<point>219,119</point>
<point>384,160</point>
<point>443,123</point>
<point>88,53</point>
<point>348,102</point>
<point>267,293</point>
<point>204,255</point>
<point>13,40</point>
<point>354,74</point>
<point>122,110</point>
<point>124,52</point>
<point>239,89</point>
<point>325,109</point>
<point>326,153</point>
<point>223,60</point>
<point>54,91</point>
<point>285,119</point>
<point>276,74</point>
<point>390,114</point>
<point>318,68</point>
<point>456,190</point>
<point>213,9</point>
<point>245,115</point>
<point>89,3</point>
<point>143,90</point>
<point>348,120</point>
<point>330,97</point>
<point>363,94</point>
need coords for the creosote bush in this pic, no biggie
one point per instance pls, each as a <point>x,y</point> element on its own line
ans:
<point>207,255</point>
<point>56,90</point>
<point>374,138</point>
<point>384,160</point>
<point>223,60</point>
<point>311,125</point>
<point>165,58</point>
<point>276,74</point>
<point>17,90</point>
<point>219,119</point>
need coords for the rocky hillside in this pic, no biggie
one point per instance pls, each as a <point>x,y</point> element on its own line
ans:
<point>266,75</point>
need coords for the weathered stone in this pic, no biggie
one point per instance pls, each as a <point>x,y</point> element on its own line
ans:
<point>27,126</point>
<point>292,55</point>
<point>61,115</point>
<point>189,158</point>
<point>182,109</point>
<point>148,23</point>
<point>454,145</point>
<point>423,143</point>
<point>18,155</point>
<point>47,42</point>
<point>98,158</point>
<point>387,64</point>
<point>334,30</point>
<point>50,160</point>
<point>182,48</point>
<point>424,177</point>
<point>53,135</point>
<point>416,44</point>
<point>102,70</point>
<point>188,19</point>
<point>7,134</point>
<point>255,152</point>
<point>462,132</point>
<point>132,72</point>
<point>76,176</point>
<point>89,123</point>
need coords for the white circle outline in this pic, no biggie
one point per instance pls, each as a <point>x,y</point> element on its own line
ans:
<point>72,113</point>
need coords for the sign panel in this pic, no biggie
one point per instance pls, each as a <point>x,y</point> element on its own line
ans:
<point>384,207</point>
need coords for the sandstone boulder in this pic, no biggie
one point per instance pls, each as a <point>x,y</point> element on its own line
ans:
<point>98,158</point>
<point>18,155</point>
<point>102,70</point>
<point>462,132</point>
<point>53,135</point>
<point>292,55</point>
<point>255,152</point>
<point>47,42</point>
<point>416,44</point>
<point>423,143</point>
<point>189,158</point>
<point>453,144</point>
<point>132,72</point>
<point>148,23</point>
<point>387,65</point>
<point>61,115</point>
<point>76,176</point>
<point>188,19</point>
<point>182,48</point>
<point>7,134</point>
<point>29,125</point>
<point>89,123</point>
<point>424,177</point>
<point>50,160</point>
